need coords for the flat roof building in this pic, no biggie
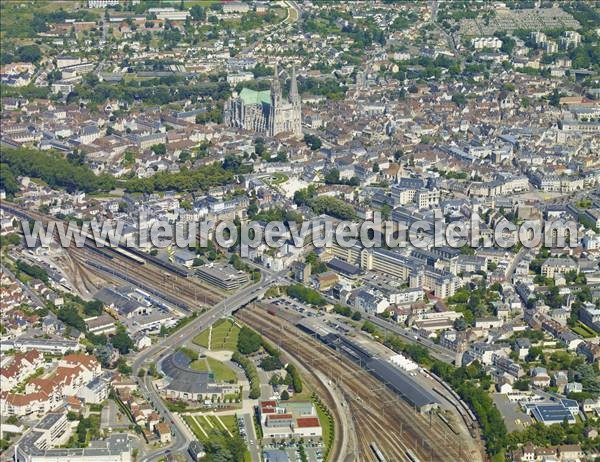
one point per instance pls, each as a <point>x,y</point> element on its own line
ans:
<point>223,276</point>
<point>552,413</point>
<point>343,268</point>
<point>36,445</point>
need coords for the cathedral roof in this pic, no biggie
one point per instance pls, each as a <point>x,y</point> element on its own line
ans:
<point>255,97</point>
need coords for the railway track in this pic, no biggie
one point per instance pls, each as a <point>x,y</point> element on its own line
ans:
<point>184,290</point>
<point>319,387</point>
<point>89,281</point>
<point>313,355</point>
<point>144,272</point>
<point>380,414</point>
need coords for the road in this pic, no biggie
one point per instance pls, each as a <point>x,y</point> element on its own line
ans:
<point>30,293</point>
<point>285,24</point>
<point>156,352</point>
<point>251,437</point>
<point>513,266</point>
<point>433,20</point>
<point>153,354</point>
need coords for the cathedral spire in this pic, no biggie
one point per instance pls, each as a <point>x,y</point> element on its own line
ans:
<point>294,86</point>
<point>275,86</point>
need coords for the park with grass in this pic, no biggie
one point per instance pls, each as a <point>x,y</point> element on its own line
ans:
<point>202,424</point>
<point>223,335</point>
<point>278,178</point>
<point>216,430</point>
<point>583,330</point>
<point>222,372</point>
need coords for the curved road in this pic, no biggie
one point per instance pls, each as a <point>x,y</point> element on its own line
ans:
<point>156,352</point>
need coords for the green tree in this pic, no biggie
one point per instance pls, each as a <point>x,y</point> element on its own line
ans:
<point>312,141</point>
<point>198,13</point>
<point>248,341</point>
<point>459,99</point>
<point>295,378</point>
<point>270,363</point>
<point>54,169</point>
<point>122,342</point>
<point>70,316</point>
<point>93,308</point>
<point>369,327</point>
<point>34,271</point>
<point>29,53</point>
<point>159,149</point>
<point>554,99</point>
<point>8,182</point>
<point>9,239</point>
<point>305,294</point>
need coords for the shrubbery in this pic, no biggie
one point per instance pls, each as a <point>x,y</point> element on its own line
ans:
<point>251,373</point>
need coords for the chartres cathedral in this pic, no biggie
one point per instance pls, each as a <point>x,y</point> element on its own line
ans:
<point>267,111</point>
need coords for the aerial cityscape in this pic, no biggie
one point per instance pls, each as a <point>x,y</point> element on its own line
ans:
<point>299,231</point>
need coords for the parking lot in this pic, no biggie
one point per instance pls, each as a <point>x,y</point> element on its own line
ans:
<point>313,450</point>
<point>514,417</point>
<point>245,426</point>
<point>289,304</point>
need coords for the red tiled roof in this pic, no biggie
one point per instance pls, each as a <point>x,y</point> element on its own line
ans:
<point>268,410</point>
<point>88,361</point>
<point>73,401</point>
<point>24,400</point>
<point>163,428</point>
<point>307,422</point>
<point>10,371</point>
<point>17,363</point>
<point>280,417</point>
<point>269,403</point>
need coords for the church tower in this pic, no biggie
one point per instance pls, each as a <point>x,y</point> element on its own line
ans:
<point>294,96</point>
<point>275,87</point>
<point>296,114</point>
<point>276,97</point>
<point>267,112</point>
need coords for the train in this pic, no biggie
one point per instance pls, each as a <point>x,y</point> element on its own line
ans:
<point>106,253</point>
<point>377,452</point>
<point>447,422</point>
<point>464,409</point>
<point>129,254</point>
<point>158,262</point>
<point>465,413</point>
<point>182,306</point>
<point>412,456</point>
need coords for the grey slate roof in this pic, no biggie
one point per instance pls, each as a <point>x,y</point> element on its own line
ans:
<point>186,380</point>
